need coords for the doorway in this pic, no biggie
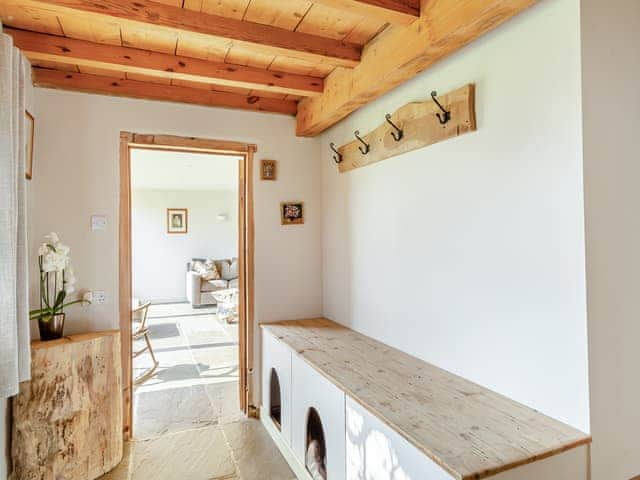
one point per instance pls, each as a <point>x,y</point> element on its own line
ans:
<point>185,339</point>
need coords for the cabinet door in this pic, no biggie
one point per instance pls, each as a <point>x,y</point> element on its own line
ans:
<point>375,452</point>
<point>276,377</point>
<point>310,390</point>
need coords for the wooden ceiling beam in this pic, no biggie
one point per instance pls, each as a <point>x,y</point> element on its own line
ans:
<point>397,12</point>
<point>81,82</point>
<point>39,47</point>
<point>145,14</point>
<point>444,27</point>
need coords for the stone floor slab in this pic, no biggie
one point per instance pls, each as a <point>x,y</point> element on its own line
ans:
<point>200,454</point>
<point>255,454</point>
<point>177,409</point>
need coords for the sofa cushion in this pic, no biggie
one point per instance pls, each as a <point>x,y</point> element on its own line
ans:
<point>213,285</point>
<point>223,268</point>
<point>228,268</point>
<point>233,269</point>
<point>207,269</point>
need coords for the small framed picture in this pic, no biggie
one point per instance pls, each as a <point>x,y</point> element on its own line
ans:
<point>177,220</point>
<point>268,170</point>
<point>28,145</point>
<point>292,213</point>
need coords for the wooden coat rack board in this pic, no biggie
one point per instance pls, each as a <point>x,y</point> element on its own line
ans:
<point>420,126</point>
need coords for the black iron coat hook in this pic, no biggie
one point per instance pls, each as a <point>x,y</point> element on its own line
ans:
<point>446,115</point>
<point>398,134</point>
<point>338,158</point>
<point>366,148</point>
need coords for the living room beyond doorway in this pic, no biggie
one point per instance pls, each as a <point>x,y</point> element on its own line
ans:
<point>184,223</point>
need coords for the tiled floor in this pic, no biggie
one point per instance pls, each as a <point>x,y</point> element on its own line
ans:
<point>240,450</point>
<point>196,383</point>
<point>187,424</point>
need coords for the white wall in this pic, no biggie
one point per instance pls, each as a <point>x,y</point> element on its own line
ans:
<point>470,253</point>
<point>611,103</point>
<point>159,258</point>
<point>76,175</point>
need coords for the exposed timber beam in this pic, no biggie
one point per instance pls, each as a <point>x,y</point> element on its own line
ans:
<point>39,46</point>
<point>444,27</point>
<point>398,12</point>
<point>81,82</point>
<point>161,17</point>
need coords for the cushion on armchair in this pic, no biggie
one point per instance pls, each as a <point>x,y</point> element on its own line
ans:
<point>207,269</point>
<point>206,276</point>
<point>228,268</point>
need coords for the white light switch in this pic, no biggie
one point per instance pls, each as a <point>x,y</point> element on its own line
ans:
<point>98,222</point>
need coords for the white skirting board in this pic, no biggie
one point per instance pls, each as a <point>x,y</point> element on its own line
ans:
<point>299,469</point>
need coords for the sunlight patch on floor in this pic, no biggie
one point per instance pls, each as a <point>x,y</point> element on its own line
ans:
<point>196,382</point>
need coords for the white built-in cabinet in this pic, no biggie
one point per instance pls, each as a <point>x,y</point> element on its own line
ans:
<point>373,450</point>
<point>359,445</point>
<point>276,360</point>
<point>311,390</point>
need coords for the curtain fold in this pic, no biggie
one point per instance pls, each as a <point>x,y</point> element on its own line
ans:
<point>15,355</point>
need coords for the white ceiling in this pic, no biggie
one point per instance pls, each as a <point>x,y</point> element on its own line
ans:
<point>164,170</point>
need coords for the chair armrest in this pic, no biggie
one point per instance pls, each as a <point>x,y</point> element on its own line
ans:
<point>193,287</point>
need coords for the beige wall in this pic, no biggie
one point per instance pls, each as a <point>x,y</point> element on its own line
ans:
<point>470,253</point>
<point>159,258</point>
<point>76,175</point>
<point>611,103</point>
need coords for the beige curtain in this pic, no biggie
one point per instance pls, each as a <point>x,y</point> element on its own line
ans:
<point>14,308</point>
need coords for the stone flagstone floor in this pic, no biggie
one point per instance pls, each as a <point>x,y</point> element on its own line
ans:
<point>196,383</point>
<point>187,423</point>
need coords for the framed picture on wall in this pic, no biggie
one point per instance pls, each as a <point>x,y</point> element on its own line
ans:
<point>28,144</point>
<point>177,220</point>
<point>292,213</point>
<point>268,170</point>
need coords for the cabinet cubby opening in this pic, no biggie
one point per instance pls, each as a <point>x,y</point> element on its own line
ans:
<point>316,451</point>
<point>275,399</point>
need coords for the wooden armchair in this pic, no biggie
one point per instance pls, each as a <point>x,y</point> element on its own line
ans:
<point>140,331</point>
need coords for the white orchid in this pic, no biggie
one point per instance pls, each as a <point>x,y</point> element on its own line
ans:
<point>57,278</point>
<point>69,280</point>
<point>54,261</point>
<point>43,249</point>
<point>55,257</point>
<point>69,275</point>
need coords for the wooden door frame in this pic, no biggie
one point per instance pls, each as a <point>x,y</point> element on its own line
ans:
<point>128,141</point>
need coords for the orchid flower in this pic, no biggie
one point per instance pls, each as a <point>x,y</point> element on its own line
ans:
<point>57,278</point>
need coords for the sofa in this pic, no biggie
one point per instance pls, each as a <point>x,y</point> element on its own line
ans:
<point>200,291</point>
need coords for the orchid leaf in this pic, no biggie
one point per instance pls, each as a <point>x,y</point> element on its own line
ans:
<point>59,299</point>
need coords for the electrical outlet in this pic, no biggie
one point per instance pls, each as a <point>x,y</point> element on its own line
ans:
<point>99,297</point>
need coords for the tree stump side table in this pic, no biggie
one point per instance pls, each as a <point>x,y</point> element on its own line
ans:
<point>67,420</point>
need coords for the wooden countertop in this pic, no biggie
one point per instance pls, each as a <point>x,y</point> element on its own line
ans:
<point>470,431</point>
<point>66,340</point>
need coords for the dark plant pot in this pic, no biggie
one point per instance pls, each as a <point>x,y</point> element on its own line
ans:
<point>51,326</point>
